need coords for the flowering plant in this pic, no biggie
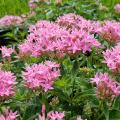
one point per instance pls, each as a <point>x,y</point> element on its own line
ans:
<point>64,69</point>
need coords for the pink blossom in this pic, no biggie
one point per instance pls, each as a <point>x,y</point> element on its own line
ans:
<point>112,58</point>
<point>48,37</point>
<point>56,115</point>
<point>41,75</point>
<point>80,118</point>
<point>24,49</point>
<point>106,87</point>
<point>42,116</point>
<point>7,85</point>
<point>73,22</point>
<point>110,31</point>
<point>117,8</point>
<point>42,41</point>
<point>6,52</point>
<point>95,25</point>
<point>80,41</point>
<point>7,21</point>
<point>51,115</point>
<point>33,4</point>
<point>9,115</point>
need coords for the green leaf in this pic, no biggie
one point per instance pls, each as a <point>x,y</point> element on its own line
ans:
<point>114,115</point>
<point>106,111</point>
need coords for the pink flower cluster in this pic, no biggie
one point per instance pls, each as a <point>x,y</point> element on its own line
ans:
<point>42,38</point>
<point>41,75</point>
<point>110,31</point>
<point>8,21</point>
<point>6,52</point>
<point>117,8</point>
<point>25,49</point>
<point>106,87</point>
<point>46,37</point>
<point>9,115</point>
<point>81,41</point>
<point>32,4</point>
<point>79,118</point>
<point>73,22</point>
<point>7,85</point>
<point>51,115</point>
<point>56,115</point>
<point>112,58</point>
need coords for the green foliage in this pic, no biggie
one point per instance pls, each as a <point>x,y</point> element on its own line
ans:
<point>13,7</point>
<point>73,92</point>
<point>90,9</point>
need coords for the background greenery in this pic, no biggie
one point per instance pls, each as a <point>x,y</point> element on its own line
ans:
<point>14,7</point>
<point>17,7</point>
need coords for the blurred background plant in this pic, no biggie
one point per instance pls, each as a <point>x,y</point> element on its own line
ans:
<point>13,7</point>
<point>92,9</point>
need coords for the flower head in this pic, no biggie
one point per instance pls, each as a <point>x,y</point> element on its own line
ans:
<point>8,21</point>
<point>110,31</point>
<point>24,49</point>
<point>9,115</point>
<point>112,58</point>
<point>41,75</point>
<point>6,52</point>
<point>106,87</point>
<point>80,118</point>
<point>33,3</point>
<point>51,115</point>
<point>80,41</point>
<point>7,85</point>
<point>117,8</point>
<point>73,22</point>
<point>55,115</point>
<point>48,37</point>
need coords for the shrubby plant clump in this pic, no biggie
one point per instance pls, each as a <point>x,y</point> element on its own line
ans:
<point>66,69</point>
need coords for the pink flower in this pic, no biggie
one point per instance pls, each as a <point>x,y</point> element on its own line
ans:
<point>51,115</point>
<point>41,41</point>
<point>106,87</point>
<point>7,21</point>
<point>80,41</point>
<point>24,49</point>
<point>80,118</point>
<point>56,115</point>
<point>42,116</point>
<point>112,58</point>
<point>48,38</point>
<point>110,31</point>
<point>117,8</point>
<point>7,85</point>
<point>6,52</point>
<point>9,115</point>
<point>41,75</point>
<point>33,4</point>
<point>95,25</point>
<point>73,22</point>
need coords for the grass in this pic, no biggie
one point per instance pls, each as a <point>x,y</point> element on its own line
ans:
<point>18,7</point>
<point>110,3</point>
<point>13,7</point>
